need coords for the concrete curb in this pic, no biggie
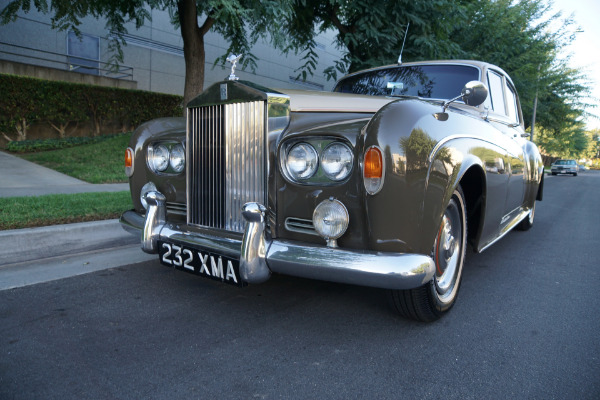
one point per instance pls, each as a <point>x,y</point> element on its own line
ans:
<point>28,244</point>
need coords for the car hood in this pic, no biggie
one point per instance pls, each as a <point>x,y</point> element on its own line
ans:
<point>314,101</point>
<point>299,100</point>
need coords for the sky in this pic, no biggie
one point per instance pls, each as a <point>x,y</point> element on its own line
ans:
<point>585,49</point>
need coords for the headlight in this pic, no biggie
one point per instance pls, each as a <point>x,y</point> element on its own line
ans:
<point>330,220</point>
<point>166,157</point>
<point>159,158</point>
<point>177,159</point>
<point>336,161</point>
<point>302,161</point>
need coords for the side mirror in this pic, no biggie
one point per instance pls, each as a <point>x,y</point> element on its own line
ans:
<point>474,93</point>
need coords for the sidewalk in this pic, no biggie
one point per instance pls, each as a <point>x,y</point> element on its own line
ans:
<point>19,177</point>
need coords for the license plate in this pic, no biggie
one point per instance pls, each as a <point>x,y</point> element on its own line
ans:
<point>201,262</point>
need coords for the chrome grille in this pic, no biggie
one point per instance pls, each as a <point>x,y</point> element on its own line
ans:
<point>226,153</point>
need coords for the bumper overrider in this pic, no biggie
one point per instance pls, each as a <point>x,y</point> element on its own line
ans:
<point>259,256</point>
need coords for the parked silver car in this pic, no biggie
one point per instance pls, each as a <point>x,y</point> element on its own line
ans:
<point>564,167</point>
<point>381,183</point>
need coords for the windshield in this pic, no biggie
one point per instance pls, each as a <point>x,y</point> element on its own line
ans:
<point>565,162</point>
<point>428,81</point>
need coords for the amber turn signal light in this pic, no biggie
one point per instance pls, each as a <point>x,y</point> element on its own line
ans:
<point>373,163</point>
<point>373,170</point>
<point>129,161</point>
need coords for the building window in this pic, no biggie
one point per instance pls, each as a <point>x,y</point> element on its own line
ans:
<point>83,53</point>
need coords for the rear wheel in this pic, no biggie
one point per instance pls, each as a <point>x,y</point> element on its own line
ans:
<point>527,223</point>
<point>432,300</point>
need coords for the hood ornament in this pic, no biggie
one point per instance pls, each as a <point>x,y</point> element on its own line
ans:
<point>233,59</point>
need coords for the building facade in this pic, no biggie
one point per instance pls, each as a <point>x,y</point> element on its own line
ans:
<point>153,57</point>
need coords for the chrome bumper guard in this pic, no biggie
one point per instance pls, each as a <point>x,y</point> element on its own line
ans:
<point>259,257</point>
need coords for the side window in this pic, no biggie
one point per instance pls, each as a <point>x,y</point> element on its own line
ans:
<point>511,100</point>
<point>496,95</point>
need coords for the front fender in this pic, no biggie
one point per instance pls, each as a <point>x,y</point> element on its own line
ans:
<point>426,158</point>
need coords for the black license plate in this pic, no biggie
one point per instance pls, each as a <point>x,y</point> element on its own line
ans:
<point>201,262</point>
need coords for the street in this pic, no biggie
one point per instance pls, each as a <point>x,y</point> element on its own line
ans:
<point>525,326</point>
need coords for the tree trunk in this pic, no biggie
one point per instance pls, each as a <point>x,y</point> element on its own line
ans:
<point>193,48</point>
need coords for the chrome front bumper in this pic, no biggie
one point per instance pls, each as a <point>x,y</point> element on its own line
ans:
<point>259,257</point>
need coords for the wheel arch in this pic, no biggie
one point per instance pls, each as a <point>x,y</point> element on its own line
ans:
<point>470,175</point>
<point>473,186</point>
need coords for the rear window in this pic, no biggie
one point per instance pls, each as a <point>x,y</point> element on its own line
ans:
<point>427,81</point>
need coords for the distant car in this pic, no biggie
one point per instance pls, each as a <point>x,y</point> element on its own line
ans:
<point>582,167</point>
<point>564,167</point>
<point>381,183</point>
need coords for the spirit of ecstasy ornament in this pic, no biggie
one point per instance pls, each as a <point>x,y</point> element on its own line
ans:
<point>233,59</point>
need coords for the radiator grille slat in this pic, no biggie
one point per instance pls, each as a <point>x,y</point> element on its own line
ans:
<point>227,158</point>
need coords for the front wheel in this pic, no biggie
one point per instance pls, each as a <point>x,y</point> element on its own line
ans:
<point>432,300</point>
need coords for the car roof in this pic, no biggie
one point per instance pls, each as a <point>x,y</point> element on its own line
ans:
<point>478,64</point>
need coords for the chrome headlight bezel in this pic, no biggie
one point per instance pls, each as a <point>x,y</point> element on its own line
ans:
<point>321,175</point>
<point>166,157</point>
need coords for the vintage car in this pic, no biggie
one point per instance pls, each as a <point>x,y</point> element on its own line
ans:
<point>564,167</point>
<point>381,183</point>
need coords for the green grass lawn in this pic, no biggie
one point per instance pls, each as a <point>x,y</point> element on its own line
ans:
<point>100,162</point>
<point>54,209</point>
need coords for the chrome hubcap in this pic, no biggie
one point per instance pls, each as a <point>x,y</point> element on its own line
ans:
<point>447,253</point>
<point>447,239</point>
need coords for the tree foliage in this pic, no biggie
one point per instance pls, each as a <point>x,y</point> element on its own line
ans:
<point>522,37</point>
<point>371,33</point>
<point>526,39</point>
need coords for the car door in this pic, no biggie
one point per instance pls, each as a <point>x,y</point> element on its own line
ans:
<point>505,117</point>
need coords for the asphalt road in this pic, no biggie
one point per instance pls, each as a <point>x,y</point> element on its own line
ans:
<point>526,325</point>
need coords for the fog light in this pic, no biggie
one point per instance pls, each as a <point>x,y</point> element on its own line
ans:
<point>330,220</point>
<point>148,187</point>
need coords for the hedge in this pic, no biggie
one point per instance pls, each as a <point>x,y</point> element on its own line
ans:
<point>30,146</point>
<point>25,101</point>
